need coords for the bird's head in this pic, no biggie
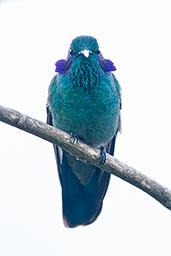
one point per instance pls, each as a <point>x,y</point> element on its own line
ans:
<point>85,45</point>
<point>84,54</point>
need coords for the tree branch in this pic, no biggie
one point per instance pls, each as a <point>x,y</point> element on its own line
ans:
<point>86,154</point>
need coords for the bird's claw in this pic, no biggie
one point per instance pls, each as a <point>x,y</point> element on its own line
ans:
<point>102,155</point>
<point>74,137</point>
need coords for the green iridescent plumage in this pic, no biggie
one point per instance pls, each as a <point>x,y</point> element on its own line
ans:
<point>93,115</point>
<point>85,72</point>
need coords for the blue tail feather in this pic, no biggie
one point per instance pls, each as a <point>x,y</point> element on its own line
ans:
<point>81,203</point>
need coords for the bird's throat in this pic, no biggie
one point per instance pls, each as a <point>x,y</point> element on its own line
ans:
<point>85,72</point>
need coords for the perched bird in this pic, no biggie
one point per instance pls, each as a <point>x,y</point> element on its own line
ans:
<point>84,100</point>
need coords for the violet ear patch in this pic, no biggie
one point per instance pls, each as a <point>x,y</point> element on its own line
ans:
<point>60,66</point>
<point>107,65</point>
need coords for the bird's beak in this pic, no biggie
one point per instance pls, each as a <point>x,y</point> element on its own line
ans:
<point>86,53</point>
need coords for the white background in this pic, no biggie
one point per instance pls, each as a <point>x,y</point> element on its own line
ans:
<point>135,35</point>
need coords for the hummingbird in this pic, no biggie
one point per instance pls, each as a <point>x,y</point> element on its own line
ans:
<point>84,100</point>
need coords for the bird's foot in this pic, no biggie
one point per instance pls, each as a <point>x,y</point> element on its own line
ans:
<point>74,137</point>
<point>102,155</point>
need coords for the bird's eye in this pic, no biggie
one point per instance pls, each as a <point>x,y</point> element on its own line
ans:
<point>97,51</point>
<point>71,52</point>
